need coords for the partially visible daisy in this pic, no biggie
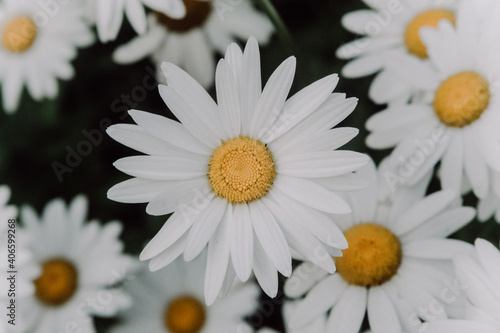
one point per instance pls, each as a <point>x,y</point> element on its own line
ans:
<point>190,42</point>
<point>460,127</point>
<point>108,14</point>
<point>81,261</point>
<point>16,260</point>
<point>37,49</point>
<point>396,265</point>
<point>172,301</point>
<point>249,177</point>
<point>390,31</point>
<point>480,278</point>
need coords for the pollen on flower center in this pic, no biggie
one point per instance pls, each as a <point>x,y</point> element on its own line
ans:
<point>57,283</point>
<point>19,34</point>
<point>197,12</point>
<point>373,256</point>
<point>241,170</point>
<point>429,18</point>
<point>461,99</point>
<point>185,314</point>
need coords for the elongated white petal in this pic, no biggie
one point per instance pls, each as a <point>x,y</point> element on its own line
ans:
<point>265,272</point>
<point>348,313</point>
<point>381,312</point>
<point>242,242</point>
<point>228,99</point>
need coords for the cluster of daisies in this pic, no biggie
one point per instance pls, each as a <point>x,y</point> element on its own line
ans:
<point>254,184</point>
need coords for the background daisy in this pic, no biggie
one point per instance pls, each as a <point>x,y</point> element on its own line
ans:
<point>37,49</point>
<point>243,177</point>
<point>80,263</point>
<point>108,14</point>
<point>459,127</point>
<point>390,31</point>
<point>397,264</point>
<point>190,42</point>
<point>172,300</point>
<point>479,275</point>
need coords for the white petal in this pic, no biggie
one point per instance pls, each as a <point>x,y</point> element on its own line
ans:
<point>228,99</point>
<point>271,237</point>
<point>423,210</point>
<point>363,66</point>
<point>318,301</point>
<point>436,248</point>
<point>136,15</point>
<point>381,313</point>
<point>312,194</point>
<point>273,98</point>
<point>264,270</point>
<point>136,138</point>
<point>347,315</point>
<point>209,217</point>
<point>170,131</point>
<point>173,8</point>
<point>250,85</point>
<point>242,242</point>
<point>303,278</point>
<point>476,169</point>
<point>219,249</point>
<point>173,229</point>
<point>163,167</point>
<point>489,256</point>
<point>452,164</point>
<point>168,255</point>
<point>136,190</point>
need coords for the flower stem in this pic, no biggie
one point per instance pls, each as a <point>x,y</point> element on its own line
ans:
<point>277,21</point>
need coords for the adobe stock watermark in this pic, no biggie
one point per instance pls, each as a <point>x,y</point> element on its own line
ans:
<point>94,137</point>
<point>452,291</point>
<point>381,20</point>
<point>408,166</point>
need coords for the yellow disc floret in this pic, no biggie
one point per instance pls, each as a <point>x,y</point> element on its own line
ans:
<point>241,170</point>
<point>197,12</point>
<point>57,283</point>
<point>429,18</point>
<point>19,34</point>
<point>373,256</point>
<point>461,99</point>
<point>185,314</point>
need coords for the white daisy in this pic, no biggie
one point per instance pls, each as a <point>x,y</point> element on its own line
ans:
<point>390,34</point>
<point>251,177</point>
<point>460,126</point>
<point>208,27</point>
<point>108,14</point>
<point>172,301</point>
<point>37,48</point>
<point>480,276</point>
<point>397,264</point>
<point>80,264</point>
<point>17,267</point>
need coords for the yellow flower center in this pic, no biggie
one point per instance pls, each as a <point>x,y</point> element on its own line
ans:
<point>461,99</point>
<point>185,314</point>
<point>197,12</point>
<point>19,34</point>
<point>57,283</point>
<point>241,170</point>
<point>429,18</point>
<point>373,256</point>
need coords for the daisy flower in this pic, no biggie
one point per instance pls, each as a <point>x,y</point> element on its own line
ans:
<point>190,42</point>
<point>37,48</point>
<point>390,31</point>
<point>480,277</point>
<point>172,301</point>
<point>459,127</point>
<point>80,264</point>
<point>250,177</point>
<point>108,14</point>
<point>18,261</point>
<point>397,264</point>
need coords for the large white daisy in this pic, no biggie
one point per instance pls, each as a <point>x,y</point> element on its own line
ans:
<point>172,301</point>
<point>80,264</point>
<point>250,176</point>
<point>480,276</point>
<point>108,14</point>
<point>390,31</point>
<point>190,42</point>
<point>397,264</point>
<point>460,126</point>
<point>37,47</point>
